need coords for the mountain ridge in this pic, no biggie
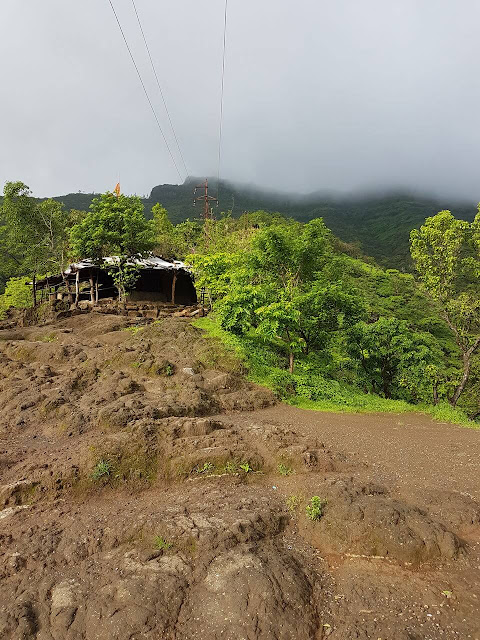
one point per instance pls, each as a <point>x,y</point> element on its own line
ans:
<point>378,222</point>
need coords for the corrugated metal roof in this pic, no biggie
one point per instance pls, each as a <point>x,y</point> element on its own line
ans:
<point>148,262</point>
<point>144,262</point>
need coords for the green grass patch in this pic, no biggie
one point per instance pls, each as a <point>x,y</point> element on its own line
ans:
<point>48,337</point>
<point>160,544</point>
<point>102,469</point>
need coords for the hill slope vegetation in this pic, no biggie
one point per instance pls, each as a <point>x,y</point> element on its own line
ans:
<point>378,224</point>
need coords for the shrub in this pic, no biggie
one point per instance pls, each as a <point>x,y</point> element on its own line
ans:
<point>315,508</point>
<point>284,470</point>
<point>282,384</point>
<point>207,466</point>
<point>293,503</point>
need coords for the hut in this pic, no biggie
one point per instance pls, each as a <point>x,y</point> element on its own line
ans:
<point>158,281</point>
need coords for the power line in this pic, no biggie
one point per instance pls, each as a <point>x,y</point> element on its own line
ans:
<point>220,132</point>
<point>145,90</point>
<point>159,86</point>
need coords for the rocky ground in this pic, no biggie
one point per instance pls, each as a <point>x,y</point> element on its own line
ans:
<point>149,491</point>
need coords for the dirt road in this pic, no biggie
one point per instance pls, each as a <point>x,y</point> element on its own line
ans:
<point>411,450</point>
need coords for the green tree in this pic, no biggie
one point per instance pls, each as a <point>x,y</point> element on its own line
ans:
<point>17,294</point>
<point>22,235</point>
<point>35,234</point>
<point>114,226</point>
<point>445,259</point>
<point>290,256</point>
<point>327,308</point>
<point>165,240</point>
<point>275,288</point>
<point>393,357</point>
<point>188,237</point>
<point>53,223</point>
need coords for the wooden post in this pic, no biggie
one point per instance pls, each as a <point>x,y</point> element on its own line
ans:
<point>34,290</point>
<point>77,288</point>
<point>92,290</point>
<point>69,291</point>
<point>174,282</point>
<point>96,290</point>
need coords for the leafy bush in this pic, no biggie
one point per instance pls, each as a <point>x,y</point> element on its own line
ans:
<point>315,508</point>
<point>17,294</point>
<point>282,383</point>
<point>284,470</point>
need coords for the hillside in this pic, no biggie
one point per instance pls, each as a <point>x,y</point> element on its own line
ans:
<point>380,224</point>
<point>138,500</point>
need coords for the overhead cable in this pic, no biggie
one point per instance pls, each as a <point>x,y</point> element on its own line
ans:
<point>222,91</point>
<point>145,90</point>
<point>159,86</point>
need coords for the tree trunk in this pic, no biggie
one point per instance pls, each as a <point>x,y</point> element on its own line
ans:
<point>467,361</point>
<point>463,381</point>
<point>291,361</point>
<point>387,378</point>
<point>435,393</point>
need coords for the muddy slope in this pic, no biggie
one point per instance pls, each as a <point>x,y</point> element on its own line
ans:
<point>147,491</point>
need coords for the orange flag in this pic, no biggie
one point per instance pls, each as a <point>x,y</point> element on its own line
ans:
<point>117,189</point>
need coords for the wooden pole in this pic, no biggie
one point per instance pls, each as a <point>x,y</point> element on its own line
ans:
<point>69,291</point>
<point>174,283</point>
<point>92,290</point>
<point>96,290</point>
<point>77,287</point>
<point>34,290</point>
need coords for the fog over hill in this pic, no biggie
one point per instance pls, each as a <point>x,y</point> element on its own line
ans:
<point>378,221</point>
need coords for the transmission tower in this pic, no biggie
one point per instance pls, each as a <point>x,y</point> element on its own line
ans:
<point>207,213</point>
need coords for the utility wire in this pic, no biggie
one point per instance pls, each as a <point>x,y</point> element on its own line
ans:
<point>159,87</point>
<point>145,90</point>
<point>220,132</point>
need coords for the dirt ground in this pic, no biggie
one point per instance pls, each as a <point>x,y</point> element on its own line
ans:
<point>147,490</point>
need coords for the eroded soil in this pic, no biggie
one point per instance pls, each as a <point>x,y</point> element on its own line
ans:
<point>149,491</point>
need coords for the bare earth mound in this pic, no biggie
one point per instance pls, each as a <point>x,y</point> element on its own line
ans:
<point>147,490</point>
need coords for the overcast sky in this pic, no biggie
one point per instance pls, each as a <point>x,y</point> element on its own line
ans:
<point>339,95</point>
